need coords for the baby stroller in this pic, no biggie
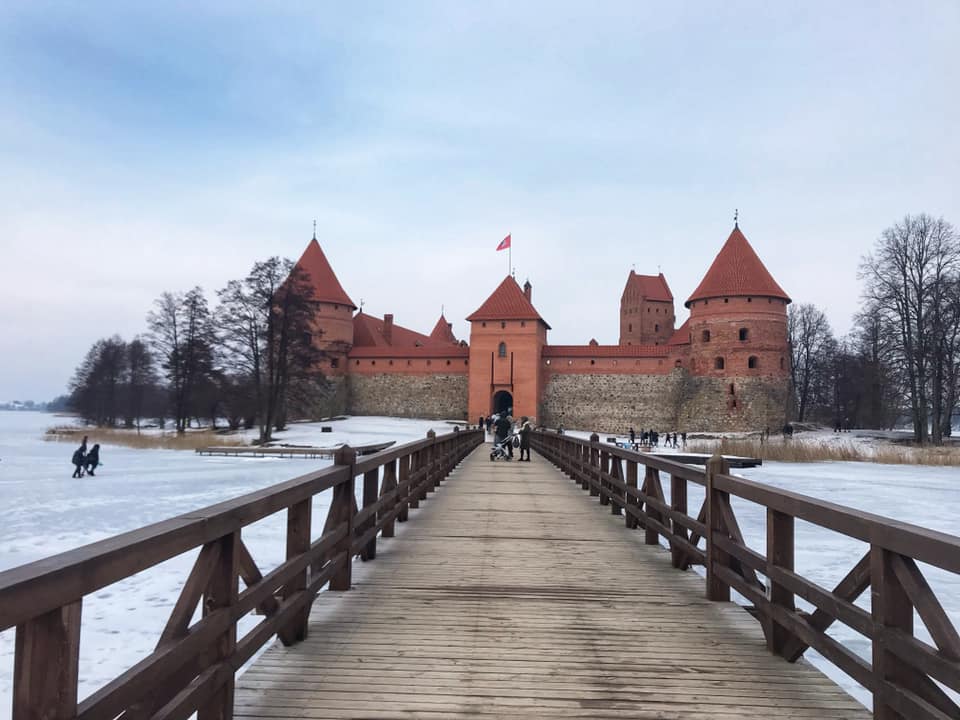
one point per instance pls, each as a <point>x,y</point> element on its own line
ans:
<point>501,448</point>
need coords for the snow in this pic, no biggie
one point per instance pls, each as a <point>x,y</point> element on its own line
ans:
<point>46,512</point>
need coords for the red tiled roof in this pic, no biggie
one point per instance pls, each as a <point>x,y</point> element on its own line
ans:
<point>453,352</point>
<point>326,287</point>
<point>681,336</point>
<point>605,351</point>
<point>737,270</point>
<point>651,287</point>
<point>443,331</point>
<point>507,303</point>
<point>368,332</point>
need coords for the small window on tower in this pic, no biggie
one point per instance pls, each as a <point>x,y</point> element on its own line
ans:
<point>630,327</point>
<point>656,328</point>
<point>744,334</point>
<point>718,363</point>
<point>502,350</point>
<point>753,363</point>
<point>334,362</point>
<point>503,325</point>
<point>706,336</point>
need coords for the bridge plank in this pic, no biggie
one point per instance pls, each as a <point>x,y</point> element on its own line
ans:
<point>511,594</point>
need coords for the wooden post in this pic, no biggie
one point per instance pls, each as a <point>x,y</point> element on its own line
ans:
<point>891,609</point>
<point>404,487</point>
<point>416,462</point>
<point>341,508</point>
<point>678,502</point>
<point>716,588</point>
<point>603,471</point>
<point>371,493</point>
<point>430,462</point>
<point>298,542</point>
<point>221,593</point>
<point>616,497</point>
<point>46,665</point>
<point>389,485</point>
<point>629,520</point>
<point>593,461</point>
<point>651,479</point>
<point>780,546</point>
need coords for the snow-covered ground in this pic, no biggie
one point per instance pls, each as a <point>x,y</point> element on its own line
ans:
<point>46,512</point>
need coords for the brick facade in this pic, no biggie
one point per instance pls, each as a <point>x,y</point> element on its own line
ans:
<point>726,368</point>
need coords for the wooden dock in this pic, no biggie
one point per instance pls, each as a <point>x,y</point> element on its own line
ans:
<point>284,451</point>
<point>512,594</point>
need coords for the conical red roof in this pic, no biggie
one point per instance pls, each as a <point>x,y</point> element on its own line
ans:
<point>737,270</point>
<point>443,331</point>
<point>326,287</point>
<point>507,303</point>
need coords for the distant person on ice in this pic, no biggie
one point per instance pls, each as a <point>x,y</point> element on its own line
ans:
<point>93,459</point>
<point>79,458</point>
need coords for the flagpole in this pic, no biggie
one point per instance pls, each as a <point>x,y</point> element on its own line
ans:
<point>510,255</point>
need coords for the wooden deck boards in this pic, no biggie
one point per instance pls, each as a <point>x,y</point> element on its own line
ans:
<point>509,594</point>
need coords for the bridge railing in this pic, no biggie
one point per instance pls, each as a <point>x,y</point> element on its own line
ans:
<point>906,674</point>
<point>193,666</point>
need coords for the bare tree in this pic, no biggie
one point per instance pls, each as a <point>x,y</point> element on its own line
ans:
<point>96,386</point>
<point>812,346</point>
<point>140,379</point>
<point>265,330</point>
<point>181,333</point>
<point>906,278</point>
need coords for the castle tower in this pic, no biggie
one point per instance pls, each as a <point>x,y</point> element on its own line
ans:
<point>646,310</point>
<point>738,323</point>
<point>507,336</point>
<point>333,320</point>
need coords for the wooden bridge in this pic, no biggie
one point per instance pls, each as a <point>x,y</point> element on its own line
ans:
<point>508,594</point>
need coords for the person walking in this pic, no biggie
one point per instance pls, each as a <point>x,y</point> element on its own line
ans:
<point>525,438</point>
<point>93,459</point>
<point>633,438</point>
<point>501,430</point>
<point>79,458</point>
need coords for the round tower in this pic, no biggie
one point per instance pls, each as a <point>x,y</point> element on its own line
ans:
<point>738,331</point>
<point>333,310</point>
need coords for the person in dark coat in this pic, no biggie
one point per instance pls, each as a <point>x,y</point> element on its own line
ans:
<point>93,459</point>
<point>502,429</point>
<point>79,459</point>
<point>525,430</point>
<point>633,438</point>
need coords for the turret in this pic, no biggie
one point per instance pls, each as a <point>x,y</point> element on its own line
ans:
<point>646,310</point>
<point>333,316</point>
<point>738,318</point>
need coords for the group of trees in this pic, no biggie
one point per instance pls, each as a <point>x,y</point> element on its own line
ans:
<point>251,360</point>
<point>902,358</point>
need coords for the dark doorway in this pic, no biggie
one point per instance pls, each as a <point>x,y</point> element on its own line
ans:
<point>502,402</point>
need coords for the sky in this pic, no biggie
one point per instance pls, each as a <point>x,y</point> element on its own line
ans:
<point>151,147</point>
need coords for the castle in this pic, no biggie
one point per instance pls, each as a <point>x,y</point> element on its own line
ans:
<point>726,368</point>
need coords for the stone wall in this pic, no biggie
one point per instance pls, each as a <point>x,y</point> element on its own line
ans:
<point>678,401</point>
<point>419,396</point>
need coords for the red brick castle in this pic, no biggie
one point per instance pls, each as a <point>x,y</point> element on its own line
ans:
<point>726,368</point>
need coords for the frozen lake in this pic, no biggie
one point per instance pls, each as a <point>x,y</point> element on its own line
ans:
<point>46,512</point>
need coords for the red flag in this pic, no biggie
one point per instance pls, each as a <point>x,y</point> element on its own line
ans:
<point>504,244</point>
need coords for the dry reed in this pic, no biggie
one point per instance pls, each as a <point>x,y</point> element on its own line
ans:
<point>798,450</point>
<point>149,440</point>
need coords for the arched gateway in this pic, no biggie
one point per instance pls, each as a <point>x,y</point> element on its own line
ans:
<point>502,402</point>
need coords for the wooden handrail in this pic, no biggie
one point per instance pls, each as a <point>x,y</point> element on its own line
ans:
<point>192,669</point>
<point>904,672</point>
